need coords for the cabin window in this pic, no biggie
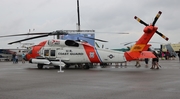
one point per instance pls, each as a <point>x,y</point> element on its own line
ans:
<point>46,52</point>
<point>53,52</point>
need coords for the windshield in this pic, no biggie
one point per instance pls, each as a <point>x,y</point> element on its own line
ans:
<point>30,52</point>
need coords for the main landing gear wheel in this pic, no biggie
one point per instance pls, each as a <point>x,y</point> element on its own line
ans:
<point>86,66</point>
<point>40,66</point>
<point>67,66</point>
<point>103,65</point>
<point>56,67</point>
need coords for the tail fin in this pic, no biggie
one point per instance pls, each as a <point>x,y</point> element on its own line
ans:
<point>141,44</point>
<point>139,50</point>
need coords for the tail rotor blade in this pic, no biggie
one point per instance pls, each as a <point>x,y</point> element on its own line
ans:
<point>156,18</point>
<point>129,43</point>
<point>166,38</point>
<point>140,21</point>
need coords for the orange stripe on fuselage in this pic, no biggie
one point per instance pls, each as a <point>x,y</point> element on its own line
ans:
<point>35,50</point>
<point>91,53</point>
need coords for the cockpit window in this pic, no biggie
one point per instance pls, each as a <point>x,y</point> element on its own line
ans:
<point>30,52</point>
<point>46,52</point>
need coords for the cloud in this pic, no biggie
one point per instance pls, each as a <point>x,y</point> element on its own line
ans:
<point>100,15</point>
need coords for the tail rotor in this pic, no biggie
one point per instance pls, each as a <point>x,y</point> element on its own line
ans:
<point>153,24</point>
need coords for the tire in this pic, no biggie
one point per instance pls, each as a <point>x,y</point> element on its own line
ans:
<point>87,66</point>
<point>56,67</point>
<point>67,66</point>
<point>40,66</point>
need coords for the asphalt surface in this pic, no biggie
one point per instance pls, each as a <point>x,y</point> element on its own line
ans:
<point>25,81</point>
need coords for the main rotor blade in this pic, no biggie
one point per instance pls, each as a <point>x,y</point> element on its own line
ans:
<point>114,32</point>
<point>29,39</point>
<point>166,38</point>
<point>129,43</point>
<point>24,34</point>
<point>58,32</point>
<point>156,18</point>
<point>122,33</point>
<point>95,39</point>
<point>140,21</point>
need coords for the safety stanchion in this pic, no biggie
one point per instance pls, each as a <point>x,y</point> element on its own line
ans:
<point>60,67</point>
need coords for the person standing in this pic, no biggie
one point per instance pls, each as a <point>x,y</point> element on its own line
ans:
<point>162,55</point>
<point>23,58</point>
<point>179,55</point>
<point>167,55</point>
<point>155,64</point>
<point>138,63</point>
<point>14,58</point>
<point>146,61</point>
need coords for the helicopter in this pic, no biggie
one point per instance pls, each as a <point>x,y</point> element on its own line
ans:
<point>71,52</point>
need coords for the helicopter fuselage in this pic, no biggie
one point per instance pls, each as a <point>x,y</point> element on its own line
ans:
<point>73,52</point>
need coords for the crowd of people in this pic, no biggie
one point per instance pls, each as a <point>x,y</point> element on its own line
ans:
<point>15,58</point>
<point>155,61</point>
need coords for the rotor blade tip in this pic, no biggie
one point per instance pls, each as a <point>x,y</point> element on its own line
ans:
<point>135,17</point>
<point>167,39</point>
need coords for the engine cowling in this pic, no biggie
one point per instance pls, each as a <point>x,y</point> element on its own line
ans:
<point>56,43</point>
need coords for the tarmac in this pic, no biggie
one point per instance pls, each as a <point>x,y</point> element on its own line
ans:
<point>25,81</point>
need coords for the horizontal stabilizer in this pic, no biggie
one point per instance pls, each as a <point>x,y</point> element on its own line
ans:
<point>147,54</point>
<point>134,55</point>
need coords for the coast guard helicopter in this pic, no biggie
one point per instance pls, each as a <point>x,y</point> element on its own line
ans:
<point>49,52</point>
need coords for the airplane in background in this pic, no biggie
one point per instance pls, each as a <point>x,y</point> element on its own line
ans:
<point>70,52</point>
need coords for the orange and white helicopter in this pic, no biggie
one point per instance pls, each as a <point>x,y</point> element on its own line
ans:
<point>49,52</point>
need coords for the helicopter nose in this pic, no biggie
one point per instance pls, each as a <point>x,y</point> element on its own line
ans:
<point>25,57</point>
<point>28,57</point>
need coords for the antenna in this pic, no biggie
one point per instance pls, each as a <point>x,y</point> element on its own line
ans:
<point>78,15</point>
